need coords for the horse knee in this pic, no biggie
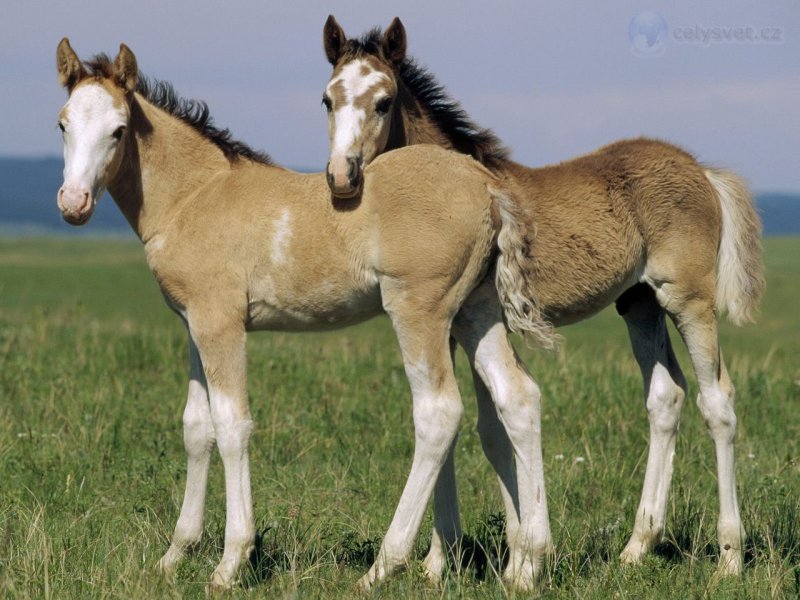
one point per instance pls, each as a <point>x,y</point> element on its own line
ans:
<point>519,408</point>
<point>436,421</point>
<point>717,409</point>
<point>198,430</point>
<point>664,401</point>
<point>233,438</point>
<point>198,437</point>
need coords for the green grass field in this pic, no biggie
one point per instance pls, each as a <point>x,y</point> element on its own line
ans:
<point>92,384</point>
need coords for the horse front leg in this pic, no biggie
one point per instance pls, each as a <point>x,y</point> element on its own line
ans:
<point>222,347</point>
<point>437,412</point>
<point>198,439</point>
<point>446,532</point>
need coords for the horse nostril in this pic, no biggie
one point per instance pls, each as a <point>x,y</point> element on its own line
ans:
<point>352,171</point>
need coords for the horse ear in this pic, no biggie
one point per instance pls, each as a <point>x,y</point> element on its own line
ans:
<point>126,72</point>
<point>394,41</point>
<point>333,38</point>
<point>70,68</point>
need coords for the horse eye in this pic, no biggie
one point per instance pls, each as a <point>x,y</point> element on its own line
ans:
<point>383,105</point>
<point>327,102</point>
<point>61,127</point>
<point>118,132</point>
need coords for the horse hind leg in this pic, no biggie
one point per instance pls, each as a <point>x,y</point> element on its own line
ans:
<point>510,429</point>
<point>498,450</point>
<point>692,310</point>
<point>664,392</point>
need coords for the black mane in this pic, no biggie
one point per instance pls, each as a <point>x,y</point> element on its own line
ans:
<point>445,112</point>
<point>194,113</point>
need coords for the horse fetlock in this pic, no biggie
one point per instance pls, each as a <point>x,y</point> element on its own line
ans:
<point>640,544</point>
<point>522,577</point>
<point>168,564</point>
<point>647,532</point>
<point>730,562</point>
<point>390,560</point>
<point>433,567</point>
<point>546,548</point>
<point>731,535</point>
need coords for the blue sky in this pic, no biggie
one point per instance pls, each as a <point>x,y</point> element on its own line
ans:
<point>553,79</point>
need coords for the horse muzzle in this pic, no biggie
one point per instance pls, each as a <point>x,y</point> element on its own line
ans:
<point>344,177</point>
<point>76,204</point>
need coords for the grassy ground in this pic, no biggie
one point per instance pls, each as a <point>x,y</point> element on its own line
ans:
<point>92,384</point>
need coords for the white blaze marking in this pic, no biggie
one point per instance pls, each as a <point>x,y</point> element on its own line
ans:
<point>88,144</point>
<point>347,127</point>
<point>348,119</point>
<point>281,237</point>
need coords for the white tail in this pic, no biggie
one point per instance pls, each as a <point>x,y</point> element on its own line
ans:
<point>522,312</point>
<point>740,270</point>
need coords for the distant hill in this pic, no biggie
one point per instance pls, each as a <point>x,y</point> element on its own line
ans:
<point>28,190</point>
<point>780,213</point>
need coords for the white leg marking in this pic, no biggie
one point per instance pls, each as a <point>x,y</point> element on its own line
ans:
<point>233,435</point>
<point>518,402</point>
<point>699,331</point>
<point>716,406</point>
<point>198,437</point>
<point>446,515</point>
<point>665,390</point>
<point>437,413</point>
<point>446,519</point>
<point>498,450</point>
<point>509,424</point>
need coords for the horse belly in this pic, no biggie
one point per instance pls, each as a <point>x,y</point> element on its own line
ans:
<point>321,307</point>
<point>563,305</point>
<point>574,280</point>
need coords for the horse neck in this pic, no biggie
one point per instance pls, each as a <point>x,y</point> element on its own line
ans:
<point>165,162</point>
<point>411,124</point>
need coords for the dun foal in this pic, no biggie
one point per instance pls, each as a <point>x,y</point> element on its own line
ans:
<point>238,244</point>
<point>639,222</point>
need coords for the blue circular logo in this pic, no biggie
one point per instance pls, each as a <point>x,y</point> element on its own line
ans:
<point>647,32</point>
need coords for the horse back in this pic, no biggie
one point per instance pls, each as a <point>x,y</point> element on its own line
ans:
<point>597,220</point>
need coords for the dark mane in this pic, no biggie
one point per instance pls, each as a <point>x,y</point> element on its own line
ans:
<point>194,113</point>
<point>445,112</point>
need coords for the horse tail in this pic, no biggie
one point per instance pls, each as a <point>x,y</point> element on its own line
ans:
<point>522,312</point>
<point>740,269</point>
